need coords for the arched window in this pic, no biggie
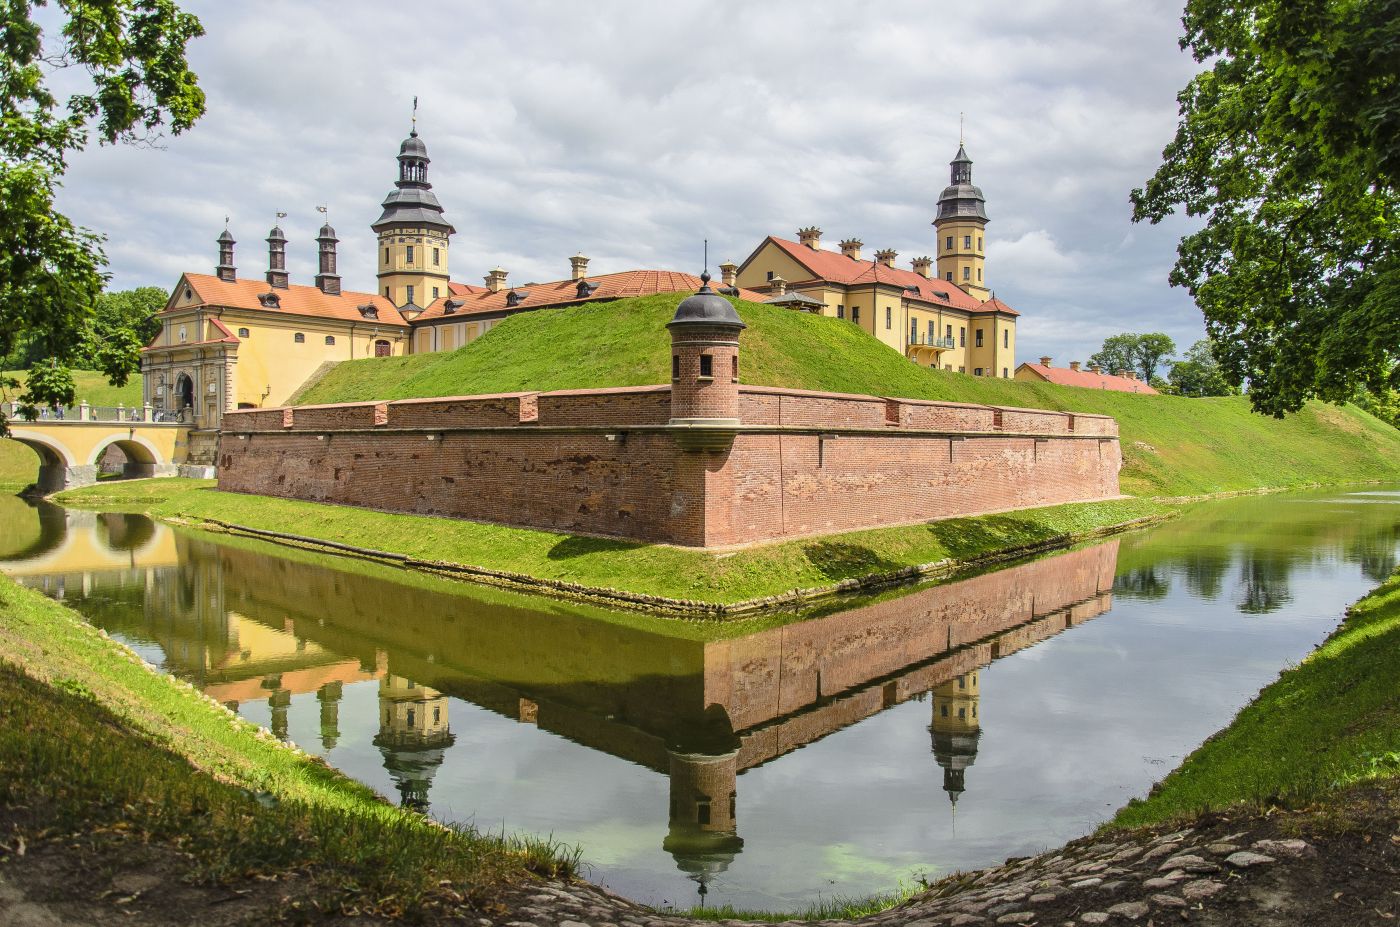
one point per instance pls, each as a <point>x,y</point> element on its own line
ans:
<point>381,348</point>
<point>243,333</point>
<point>299,338</point>
<point>330,339</point>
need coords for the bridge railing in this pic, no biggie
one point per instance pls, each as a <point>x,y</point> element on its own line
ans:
<point>83,412</point>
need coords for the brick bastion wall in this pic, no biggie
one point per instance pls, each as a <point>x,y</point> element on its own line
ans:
<point>622,462</point>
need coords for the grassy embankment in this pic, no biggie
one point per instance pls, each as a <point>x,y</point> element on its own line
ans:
<point>1328,723</point>
<point>19,465</point>
<point>93,740</point>
<point>647,569</point>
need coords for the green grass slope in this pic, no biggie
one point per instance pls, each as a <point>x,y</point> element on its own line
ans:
<point>1172,446</point>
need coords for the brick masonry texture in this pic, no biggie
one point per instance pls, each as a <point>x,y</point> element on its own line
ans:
<point>603,462</point>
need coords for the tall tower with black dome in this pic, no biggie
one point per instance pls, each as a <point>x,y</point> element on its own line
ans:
<point>413,233</point>
<point>961,224</point>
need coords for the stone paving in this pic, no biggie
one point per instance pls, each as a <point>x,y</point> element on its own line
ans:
<point>1170,877</point>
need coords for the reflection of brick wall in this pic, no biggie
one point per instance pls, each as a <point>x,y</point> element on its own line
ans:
<point>602,461</point>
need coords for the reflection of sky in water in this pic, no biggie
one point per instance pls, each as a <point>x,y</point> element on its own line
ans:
<point>1207,610</point>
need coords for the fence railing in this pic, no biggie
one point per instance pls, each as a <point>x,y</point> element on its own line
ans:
<point>83,412</point>
<point>926,341</point>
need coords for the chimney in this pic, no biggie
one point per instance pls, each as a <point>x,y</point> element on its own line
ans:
<point>886,256</point>
<point>277,259</point>
<point>327,280</point>
<point>496,280</point>
<point>1074,365</point>
<point>811,237</point>
<point>579,265</point>
<point>777,286</point>
<point>1045,361</point>
<point>851,248</point>
<point>1130,374</point>
<point>1095,368</point>
<point>729,273</point>
<point>923,266</point>
<point>225,270</point>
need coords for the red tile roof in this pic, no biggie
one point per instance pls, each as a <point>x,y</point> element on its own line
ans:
<point>837,268</point>
<point>562,292</point>
<point>459,289</point>
<point>1088,379</point>
<point>294,300</point>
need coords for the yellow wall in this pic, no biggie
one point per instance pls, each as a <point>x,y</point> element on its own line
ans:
<point>966,259</point>
<point>770,258</point>
<point>449,336</point>
<point>397,273</point>
<point>270,356</point>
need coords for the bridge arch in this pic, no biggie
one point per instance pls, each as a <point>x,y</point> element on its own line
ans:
<point>142,457</point>
<point>57,466</point>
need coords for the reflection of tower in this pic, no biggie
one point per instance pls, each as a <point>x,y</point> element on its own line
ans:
<point>280,702</point>
<point>329,697</point>
<point>703,838</point>
<point>413,736</point>
<point>956,730</point>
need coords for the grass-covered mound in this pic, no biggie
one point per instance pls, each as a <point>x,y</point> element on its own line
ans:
<point>1328,723</point>
<point>1172,446</point>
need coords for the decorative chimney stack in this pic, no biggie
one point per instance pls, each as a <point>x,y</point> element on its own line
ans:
<point>886,257</point>
<point>1045,361</point>
<point>705,370</point>
<point>496,280</point>
<point>277,258</point>
<point>1074,365</point>
<point>923,266</point>
<point>579,265</point>
<point>777,286</point>
<point>226,270</point>
<point>729,273</point>
<point>1095,368</point>
<point>327,280</point>
<point>851,248</point>
<point>811,237</point>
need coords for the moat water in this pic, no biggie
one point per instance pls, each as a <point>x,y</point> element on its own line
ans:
<point>770,764</point>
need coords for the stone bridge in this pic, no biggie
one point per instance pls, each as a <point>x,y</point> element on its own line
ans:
<point>71,441</point>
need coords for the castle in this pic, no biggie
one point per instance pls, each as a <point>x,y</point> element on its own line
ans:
<point>232,342</point>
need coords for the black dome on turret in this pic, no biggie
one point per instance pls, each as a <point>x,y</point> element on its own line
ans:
<point>413,147</point>
<point>225,237</point>
<point>276,234</point>
<point>961,198</point>
<point>326,232</point>
<point>706,307</point>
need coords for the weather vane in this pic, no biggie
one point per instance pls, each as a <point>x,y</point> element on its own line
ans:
<point>281,215</point>
<point>415,115</point>
<point>960,129</point>
<point>323,211</point>
<point>225,223</point>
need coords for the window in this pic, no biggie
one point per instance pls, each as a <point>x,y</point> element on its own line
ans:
<point>707,366</point>
<point>437,257</point>
<point>1006,337</point>
<point>932,332</point>
<point>184,335</point>
<point>967,242</point>
<point>944,712</point>
<point>949,244</point>
<point>435,292</point>
<point>979,337</point>
<point>889,317</point>
<point>412,716</point>
<point>243,333</point>
<point>675,366</point>
<point>962,369</point>
<point>913,331</point>
<point>979,275</point>
<point>330,340</point>
<point>962,682</point>
<point>386,255</point>
<point>855,313</point>
<point>299,338</point>
<point>381,348</point>
<point>770,275</point>
<point>702,812</point>
<point>840,311</point>
<point>979,242</point>
<point>1004,374</point>
<point>950,333</point>
<point>967,273</point>
<point>976,371</point>
<point>950,276</point>
<point>410,294</point>
<point>962,336</point>
<point>734,368</point>
<point>437,714</point>
<point>386,292</point>
<point>409,255</point>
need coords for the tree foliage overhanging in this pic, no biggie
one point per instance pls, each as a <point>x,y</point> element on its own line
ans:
<point>1288,147</point>
<point>138,86</point>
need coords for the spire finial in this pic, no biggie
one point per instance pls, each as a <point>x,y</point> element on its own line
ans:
<point>413,132</point>
<point>961,119</point>
<point>225,222</point>
<point>707,256</point>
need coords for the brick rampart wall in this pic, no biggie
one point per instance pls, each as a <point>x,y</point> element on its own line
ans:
<point>602,461</point>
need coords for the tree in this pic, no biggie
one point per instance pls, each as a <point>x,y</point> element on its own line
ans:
<point>124,322</point>
<point>138,84</point>
<point>1199,374</point>
<point>1129,351</point>
<point>1289,147</point>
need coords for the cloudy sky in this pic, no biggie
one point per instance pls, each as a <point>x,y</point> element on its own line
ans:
<point>632,131</point>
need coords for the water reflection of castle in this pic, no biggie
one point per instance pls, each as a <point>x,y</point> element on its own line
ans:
<point>248,626</point>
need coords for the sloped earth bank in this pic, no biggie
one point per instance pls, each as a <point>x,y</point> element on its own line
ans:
<point>1337,864</point>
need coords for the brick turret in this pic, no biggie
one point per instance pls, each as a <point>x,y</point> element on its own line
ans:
<point>705,370</point>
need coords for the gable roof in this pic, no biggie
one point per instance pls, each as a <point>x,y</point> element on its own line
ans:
<point>837,268</point>
<point>1087,379</point>
<point>481,301</point>
<point>297,299</point>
